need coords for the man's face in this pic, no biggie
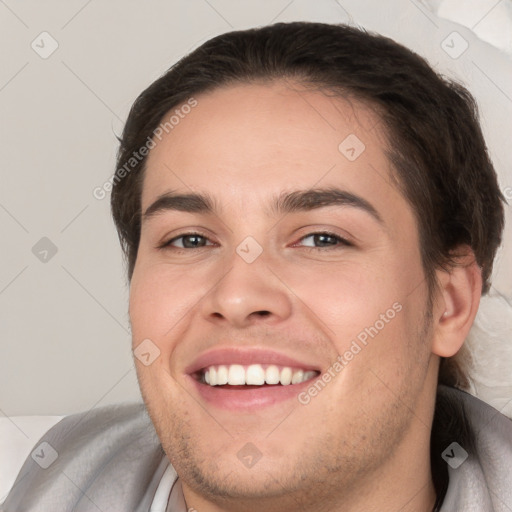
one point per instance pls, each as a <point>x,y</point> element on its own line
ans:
<point>252,291</point>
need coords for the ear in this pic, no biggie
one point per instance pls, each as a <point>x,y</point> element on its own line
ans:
<point>456,304</point>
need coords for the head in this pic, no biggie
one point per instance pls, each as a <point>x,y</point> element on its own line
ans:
<point>342,216</point>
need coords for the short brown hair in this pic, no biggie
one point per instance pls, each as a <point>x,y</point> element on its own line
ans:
<point>436,144</point>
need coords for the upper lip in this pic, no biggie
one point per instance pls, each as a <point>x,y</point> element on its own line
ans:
<point>245,356</point>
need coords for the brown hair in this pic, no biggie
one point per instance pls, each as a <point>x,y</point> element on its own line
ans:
<point>435,142</point>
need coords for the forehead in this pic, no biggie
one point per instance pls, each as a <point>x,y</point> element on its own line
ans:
<point>243,142</point>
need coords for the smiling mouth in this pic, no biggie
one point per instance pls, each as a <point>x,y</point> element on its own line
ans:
<point>237,376</point>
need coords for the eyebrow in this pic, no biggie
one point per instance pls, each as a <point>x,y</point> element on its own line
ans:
<point>305,200</point>
<point>286,202</point>
<point>191,203</point>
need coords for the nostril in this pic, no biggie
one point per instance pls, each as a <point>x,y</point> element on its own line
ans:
<point>263,313</point>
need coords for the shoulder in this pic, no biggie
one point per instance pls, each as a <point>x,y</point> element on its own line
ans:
<point>100,456</point>
<point>478,453</point>
<point>485,423</point>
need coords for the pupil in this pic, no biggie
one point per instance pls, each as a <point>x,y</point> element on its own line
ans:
<point>192,241</point>
<point>322,239</point>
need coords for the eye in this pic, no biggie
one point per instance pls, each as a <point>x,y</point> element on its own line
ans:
<point>320,240</point>
<point>186,241</point>
<point>325,240</point>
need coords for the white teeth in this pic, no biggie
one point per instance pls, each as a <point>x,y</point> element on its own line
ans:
<point>254,374</point>
<point>307,375</point>
<point>222,375</point>
<point>286,376</point>
<point>272,375</point>
<point>236,375</point>
<point>297,376</point>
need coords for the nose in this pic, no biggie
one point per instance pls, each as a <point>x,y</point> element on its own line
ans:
<point>248,294</point>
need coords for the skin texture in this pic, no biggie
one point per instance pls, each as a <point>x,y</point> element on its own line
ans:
<point>363,442</point>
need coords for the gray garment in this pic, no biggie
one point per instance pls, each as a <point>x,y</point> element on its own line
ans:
<point>110,460</point>
<point>483,482</point>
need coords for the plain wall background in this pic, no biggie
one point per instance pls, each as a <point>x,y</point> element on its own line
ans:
<point>65,340</point>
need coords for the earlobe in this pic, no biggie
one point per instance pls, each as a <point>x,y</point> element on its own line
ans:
<point>457,302</point>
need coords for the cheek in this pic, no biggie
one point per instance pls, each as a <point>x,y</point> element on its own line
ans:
<point>346,298</point>
<point>158,302</point>
<point>159,298</point>
<point>371,308</point>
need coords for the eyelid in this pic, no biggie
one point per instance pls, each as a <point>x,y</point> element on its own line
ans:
<point>344,241</point>
<point>167,242</point>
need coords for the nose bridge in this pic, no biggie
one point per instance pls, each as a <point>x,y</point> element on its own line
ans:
<point>249,288</point>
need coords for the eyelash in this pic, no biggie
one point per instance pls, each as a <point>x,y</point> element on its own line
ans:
<point>342,241</point>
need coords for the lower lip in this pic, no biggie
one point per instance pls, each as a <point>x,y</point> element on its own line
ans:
<point>240,399</point>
